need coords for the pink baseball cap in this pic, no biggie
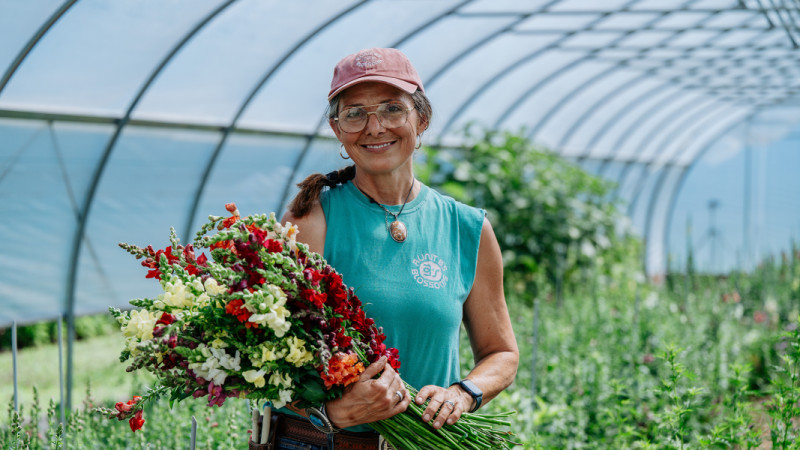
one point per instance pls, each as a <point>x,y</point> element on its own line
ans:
<point>383,65</point>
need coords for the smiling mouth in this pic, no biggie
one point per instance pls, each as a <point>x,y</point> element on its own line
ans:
<point>378,146</point>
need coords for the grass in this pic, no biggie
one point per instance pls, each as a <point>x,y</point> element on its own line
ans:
<point>96,362</point>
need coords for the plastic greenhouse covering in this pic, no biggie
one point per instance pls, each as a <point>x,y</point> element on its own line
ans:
<point>119,119</point>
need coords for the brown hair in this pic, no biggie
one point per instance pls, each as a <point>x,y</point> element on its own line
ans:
<point>312,186</point>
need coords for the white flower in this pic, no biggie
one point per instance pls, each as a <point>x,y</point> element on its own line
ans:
<point>213,288</point>
<point>217,359</point>
<point>197,284</point>
<point>273,299</point>
<point>203,300</point>
<point>284,397</point>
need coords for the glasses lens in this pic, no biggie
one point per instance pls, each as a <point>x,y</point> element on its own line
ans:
<point>392,115</point>
<point>353,119</point>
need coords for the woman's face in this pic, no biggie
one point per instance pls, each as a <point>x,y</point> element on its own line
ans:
<point>377,149</point>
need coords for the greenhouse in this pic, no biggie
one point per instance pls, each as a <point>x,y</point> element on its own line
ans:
<point>637,159</point>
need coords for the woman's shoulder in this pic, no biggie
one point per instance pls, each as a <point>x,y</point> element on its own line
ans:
<point>462,209</point>
<point>311,227</point>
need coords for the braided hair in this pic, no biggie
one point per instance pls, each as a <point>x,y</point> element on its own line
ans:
<point>312,186</point>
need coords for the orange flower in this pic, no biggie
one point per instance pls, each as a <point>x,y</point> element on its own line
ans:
<point>343,368</point>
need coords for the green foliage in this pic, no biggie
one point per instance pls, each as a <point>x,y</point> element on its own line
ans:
<point>552,219</point>
<point>41,333</point>
<point>165,428</point>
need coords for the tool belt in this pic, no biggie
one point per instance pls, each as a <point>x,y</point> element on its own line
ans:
<point>299,429</point>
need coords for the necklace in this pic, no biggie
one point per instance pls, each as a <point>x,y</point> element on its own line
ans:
<point>397,229</point>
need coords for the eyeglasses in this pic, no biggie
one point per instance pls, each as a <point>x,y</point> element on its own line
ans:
<point>390,115</point>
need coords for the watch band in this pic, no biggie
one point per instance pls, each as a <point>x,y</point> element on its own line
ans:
<point>470,388</point>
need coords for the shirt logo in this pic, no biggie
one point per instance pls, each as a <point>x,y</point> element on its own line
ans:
<point>430,271</point>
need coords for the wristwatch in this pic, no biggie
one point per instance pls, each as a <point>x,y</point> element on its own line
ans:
<point>472,390</point>
<point>319,418</point>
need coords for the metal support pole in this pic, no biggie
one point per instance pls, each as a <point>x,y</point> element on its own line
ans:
<point>746,200</point>
<point>61,368</point>
<point>193,438</point>
<point>14,363</point>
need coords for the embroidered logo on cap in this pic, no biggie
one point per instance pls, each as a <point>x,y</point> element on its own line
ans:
<point>367,59</point>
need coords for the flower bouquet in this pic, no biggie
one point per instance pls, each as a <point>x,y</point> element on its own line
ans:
<point>264,319</point>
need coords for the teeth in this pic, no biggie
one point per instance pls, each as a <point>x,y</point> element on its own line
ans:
<point>378,146</point>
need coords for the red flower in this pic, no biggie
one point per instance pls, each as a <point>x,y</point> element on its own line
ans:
<point>137,421</point>
<point>312,275</point>
<point>315,298</point>
<point>123,409</point>
<point>227,222</point>
<point>236,308</point>
<point>274,246</point>
<point>166,319</point>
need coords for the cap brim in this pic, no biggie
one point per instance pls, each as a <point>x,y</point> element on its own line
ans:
<point>400,84</point>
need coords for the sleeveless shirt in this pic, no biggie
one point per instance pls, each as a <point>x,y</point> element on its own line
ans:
<point>414,289</point>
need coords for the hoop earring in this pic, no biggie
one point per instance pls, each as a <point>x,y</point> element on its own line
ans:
<point>419,142</point>
<point>340,152</point>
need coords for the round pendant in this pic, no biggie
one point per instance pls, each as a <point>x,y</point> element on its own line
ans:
<point>398,231</point>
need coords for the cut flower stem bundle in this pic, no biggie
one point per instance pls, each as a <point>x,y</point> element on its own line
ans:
<point>472,431</point>
<point>265,319</point>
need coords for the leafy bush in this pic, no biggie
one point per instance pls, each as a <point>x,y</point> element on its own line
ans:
<point>552,219</point>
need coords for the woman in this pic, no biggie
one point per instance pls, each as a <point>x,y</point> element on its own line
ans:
<point>422,263</point>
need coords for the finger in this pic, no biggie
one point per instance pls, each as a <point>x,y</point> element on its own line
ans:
<point>455,414</point>
<point>424,394</point>
<point>402,405</point>
<point>374,369</point>
<point>433,407</point>
<point>445,413</point>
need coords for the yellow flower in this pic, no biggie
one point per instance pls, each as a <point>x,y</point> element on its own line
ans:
<point>279,379</point>
<point>297,352</point>
<point>218,343</point>
<point>140,325</point>
<point>255,376</point>
<point>268,353</point>
<point>176,294</point>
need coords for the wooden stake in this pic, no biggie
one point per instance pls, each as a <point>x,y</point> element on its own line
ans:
<point>265,424</point>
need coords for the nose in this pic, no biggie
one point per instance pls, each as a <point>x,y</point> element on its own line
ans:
<point>374,125</point>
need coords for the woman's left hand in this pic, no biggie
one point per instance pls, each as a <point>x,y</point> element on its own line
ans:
<point>446,404</point>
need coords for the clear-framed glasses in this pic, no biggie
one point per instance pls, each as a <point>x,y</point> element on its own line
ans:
<point>390,115</point>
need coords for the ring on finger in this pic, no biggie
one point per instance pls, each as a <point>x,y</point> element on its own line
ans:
<point>399,396</point>
<point>450,402</point>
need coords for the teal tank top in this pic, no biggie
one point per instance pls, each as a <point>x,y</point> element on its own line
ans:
<point>416,289</point>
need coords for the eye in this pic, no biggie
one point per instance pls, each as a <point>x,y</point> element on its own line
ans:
<point>395,108</point>
<point>352,114</point>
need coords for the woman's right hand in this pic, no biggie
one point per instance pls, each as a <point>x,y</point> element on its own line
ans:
<point>370,399</point>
